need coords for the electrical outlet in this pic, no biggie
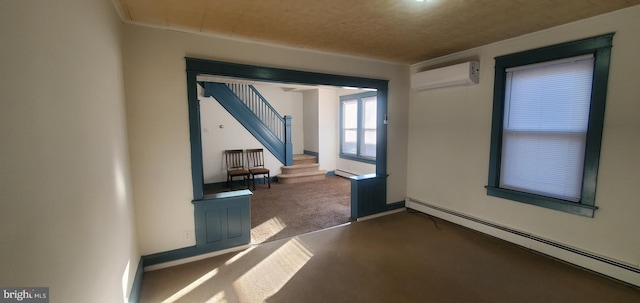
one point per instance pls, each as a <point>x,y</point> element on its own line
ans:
<point>186,235</point>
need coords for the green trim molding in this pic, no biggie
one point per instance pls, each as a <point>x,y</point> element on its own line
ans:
<point>134,294</point>
<point>222,221</point>
<point>368,195</point>
<point>195,67</point>
<point>311,153</point>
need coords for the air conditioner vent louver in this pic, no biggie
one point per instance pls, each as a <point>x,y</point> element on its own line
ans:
<point>460,74</point>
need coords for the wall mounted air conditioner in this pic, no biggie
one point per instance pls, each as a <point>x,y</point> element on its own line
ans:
<point>467,73</point>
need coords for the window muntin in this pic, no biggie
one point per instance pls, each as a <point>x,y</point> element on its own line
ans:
<point>358,126</point>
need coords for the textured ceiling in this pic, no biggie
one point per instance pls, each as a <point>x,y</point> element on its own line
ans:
<point>403,31</point>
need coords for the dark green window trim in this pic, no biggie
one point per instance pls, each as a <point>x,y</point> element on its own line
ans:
<point>600,47</point>
<point>357,156</point>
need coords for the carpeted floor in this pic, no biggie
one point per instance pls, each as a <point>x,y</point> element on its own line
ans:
<point>287,210</point>
<point>403,257</point>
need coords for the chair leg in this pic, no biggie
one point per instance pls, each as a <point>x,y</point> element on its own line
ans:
<point>269,179</point>
<point>253,180</point>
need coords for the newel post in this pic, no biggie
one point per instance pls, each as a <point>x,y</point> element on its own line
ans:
<point>288,145</point>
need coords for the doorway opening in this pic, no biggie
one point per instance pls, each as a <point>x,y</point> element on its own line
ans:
<point>197,69</point>
<point>314,192</point>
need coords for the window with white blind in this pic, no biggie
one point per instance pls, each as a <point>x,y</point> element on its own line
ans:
<point>547,125</point>
<point>358,123</point>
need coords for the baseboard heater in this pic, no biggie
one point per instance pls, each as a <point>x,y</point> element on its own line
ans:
<point>344,173</point>
<point>606,266</point>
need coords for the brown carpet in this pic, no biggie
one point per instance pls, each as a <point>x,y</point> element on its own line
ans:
<point>404,257</point>
<point>287,210</point>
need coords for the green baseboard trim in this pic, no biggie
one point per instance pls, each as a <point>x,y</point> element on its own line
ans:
<point>176,254</point>
<point>311,153</point>
<point>395,205</point>
<point>331,173</point>
<point>134,295</point>
<point>215,185</point>
<point>238,184</point>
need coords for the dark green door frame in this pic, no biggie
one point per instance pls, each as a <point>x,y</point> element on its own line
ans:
<point>197,67</point>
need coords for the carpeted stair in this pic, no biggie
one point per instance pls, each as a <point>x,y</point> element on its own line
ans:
<point>304,169</point>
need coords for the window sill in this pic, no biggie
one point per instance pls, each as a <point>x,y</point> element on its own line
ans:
<point>542,201</point>
<point>357,158</point>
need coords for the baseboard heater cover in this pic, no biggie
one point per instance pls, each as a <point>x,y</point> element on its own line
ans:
<point>344,173</point>
<point>609,267</point>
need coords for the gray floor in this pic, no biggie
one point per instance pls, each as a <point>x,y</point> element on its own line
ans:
<point>404,257</point>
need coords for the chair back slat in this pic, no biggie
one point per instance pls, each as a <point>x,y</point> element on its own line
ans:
<point>234,158</point>
<point>255,157</point>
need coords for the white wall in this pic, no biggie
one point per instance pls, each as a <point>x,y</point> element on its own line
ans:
<point>232,135</point>
<point>356,168</point>
<point>328,139</point>
<point>310,112</point>
<point>449,138</point>
<point>67,211</point>
<point>159,125</point>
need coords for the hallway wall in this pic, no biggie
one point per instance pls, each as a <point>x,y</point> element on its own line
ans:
<point>65,187</point>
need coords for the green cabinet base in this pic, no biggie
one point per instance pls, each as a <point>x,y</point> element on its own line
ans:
<point>223,220</point>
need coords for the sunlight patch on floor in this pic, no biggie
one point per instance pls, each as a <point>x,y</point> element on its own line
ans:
<point>271,274</point>
<point>239,255</point>
<point>267,229</point>
<point>181,293</point>
<point>218,298</point>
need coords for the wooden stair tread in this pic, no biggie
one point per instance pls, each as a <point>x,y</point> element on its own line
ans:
<point>308,165</point>
<point>302,174</point>
<point>303,156</point>
<point>302,177</point>
<point>304,169</point>
<point>299,159</point>
<point>300,168</point>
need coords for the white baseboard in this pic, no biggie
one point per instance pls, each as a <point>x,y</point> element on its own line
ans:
<point>381,214</point>
<point>618,270</point>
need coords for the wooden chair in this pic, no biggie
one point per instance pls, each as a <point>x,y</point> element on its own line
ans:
<point>255,162</point>
<point>235,167</point>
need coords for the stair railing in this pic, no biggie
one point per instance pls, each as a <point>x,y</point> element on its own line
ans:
<point>275,130</point>
<point>261,108</point>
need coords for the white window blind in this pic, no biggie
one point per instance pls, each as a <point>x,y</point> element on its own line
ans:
<point>545,125</point>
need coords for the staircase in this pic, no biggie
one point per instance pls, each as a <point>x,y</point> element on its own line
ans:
<point>255,113</point>
<point>304,169</point>
<point>271,129</point>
